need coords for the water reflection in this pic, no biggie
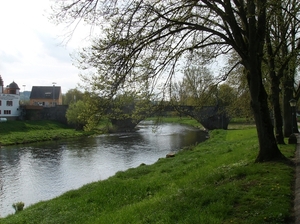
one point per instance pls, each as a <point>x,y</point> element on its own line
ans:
<point>42,171</point>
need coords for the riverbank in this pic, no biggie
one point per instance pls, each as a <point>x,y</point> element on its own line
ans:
<point>22,132</point>
<point>214,182</point>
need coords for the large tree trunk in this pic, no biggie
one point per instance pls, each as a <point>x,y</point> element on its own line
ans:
<point>275,90</point>
<point>278,124</point>
<point>268,149</point>
<point>287,110</point>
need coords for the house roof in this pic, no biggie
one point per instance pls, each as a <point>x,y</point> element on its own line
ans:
<point>45,92</point>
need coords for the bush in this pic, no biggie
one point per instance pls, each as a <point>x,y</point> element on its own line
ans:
<point>18,206</point>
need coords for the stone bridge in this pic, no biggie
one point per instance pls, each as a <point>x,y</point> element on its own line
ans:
<point>210,117</point>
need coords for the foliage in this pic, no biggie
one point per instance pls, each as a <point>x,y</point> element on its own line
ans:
<point>75,114</point>
<point>18,206</point>
<point>238,81</point>
<point>72,96</point>
<point>214,182</point>
<point>227,97</point>
<point>86,114</point>
<point>197,88</point>
<point>130,104</point>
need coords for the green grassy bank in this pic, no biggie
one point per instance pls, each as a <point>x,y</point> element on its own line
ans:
<point>22,132</point>
<point>214,182</point>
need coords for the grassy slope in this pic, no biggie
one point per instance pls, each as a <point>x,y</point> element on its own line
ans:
<point>216,182</point>
<point>19,132</point>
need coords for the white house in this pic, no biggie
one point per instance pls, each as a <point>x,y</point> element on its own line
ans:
<point>9,100</point>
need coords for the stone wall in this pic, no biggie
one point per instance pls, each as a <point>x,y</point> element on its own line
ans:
<point>57,113</point>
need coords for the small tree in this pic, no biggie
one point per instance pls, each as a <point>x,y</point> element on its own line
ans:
<point>75,114</point>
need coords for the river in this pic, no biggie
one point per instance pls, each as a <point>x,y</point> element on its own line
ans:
<point>41,171</point>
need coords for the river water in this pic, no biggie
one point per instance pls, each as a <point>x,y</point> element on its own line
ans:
<point>41,171</point>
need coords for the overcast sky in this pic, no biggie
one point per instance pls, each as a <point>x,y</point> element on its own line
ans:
<point>31,49</point>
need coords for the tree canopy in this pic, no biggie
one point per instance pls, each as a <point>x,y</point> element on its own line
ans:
<point>145,43</point>
<point>72,96</point>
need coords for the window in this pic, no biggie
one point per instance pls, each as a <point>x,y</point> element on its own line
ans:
<point>0,110</point>
<point>7,111</point>
<point>9,103</point>
<point>0,102</point>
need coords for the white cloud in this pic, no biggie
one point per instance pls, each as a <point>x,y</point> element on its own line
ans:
<point>31,52</point>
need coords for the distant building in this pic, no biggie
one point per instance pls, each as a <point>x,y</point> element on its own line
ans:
<point>9,100</point>
<point>46,96</point>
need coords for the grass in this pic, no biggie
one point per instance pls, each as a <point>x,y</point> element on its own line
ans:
<point>177,119</point>
<point>215,182</point>
<point>21,132</point>
<point>236,123</point>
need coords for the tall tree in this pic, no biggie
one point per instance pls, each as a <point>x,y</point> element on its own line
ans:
<point>289,53</point>
<point>281,52</point>
<point>145,40</point>
<point>72,96</point>
<point>195,88</point>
